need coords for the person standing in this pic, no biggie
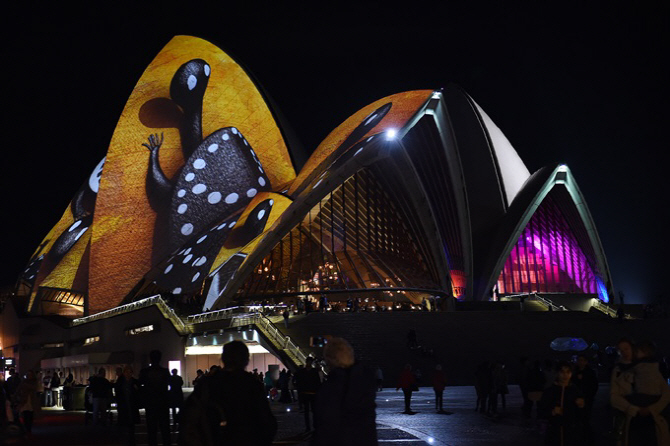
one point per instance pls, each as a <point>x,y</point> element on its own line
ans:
<point>27,402</point>
<point>380,379</point>
<point>100,388</point>
<point>127,390</point>
<point>308,382</point>
<point>587,382</point>
<point>176,396</point>
<point>407,382</point>
<point>47,395</point>
<point>345,402</point>
<point>439,381</point>
<point>621,385</point>
<point>11,387</point>
<point>285,314</point>
<point>562,404</point>
<point>154,383</point>
<point>229,406</point>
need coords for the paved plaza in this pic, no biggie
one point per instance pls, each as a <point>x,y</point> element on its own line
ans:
<point>461,426</point>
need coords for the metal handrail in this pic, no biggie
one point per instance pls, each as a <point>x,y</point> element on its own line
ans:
<point>164,308</point>
<point>276,337</point>
<point>611,312</point>
<point>549,303</point>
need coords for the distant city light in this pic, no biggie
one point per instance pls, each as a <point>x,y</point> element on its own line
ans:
<point>430,440</point>
<point>391,134</point>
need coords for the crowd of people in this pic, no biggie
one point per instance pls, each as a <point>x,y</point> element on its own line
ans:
<point>563,394</point>
<point>155,390</point>
<point>336,396</point>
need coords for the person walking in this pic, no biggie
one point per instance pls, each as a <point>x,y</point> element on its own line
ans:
<point>154,381</point>
<point>407,382</point>
<point>439,381</point>
<point>345,402</point>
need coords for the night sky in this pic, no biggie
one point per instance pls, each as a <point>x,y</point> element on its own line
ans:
<point>583,86</point>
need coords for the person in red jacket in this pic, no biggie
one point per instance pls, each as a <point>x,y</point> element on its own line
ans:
<point>439,383</point>
<point>407,382</point>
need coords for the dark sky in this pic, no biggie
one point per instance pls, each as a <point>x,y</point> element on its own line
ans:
<point>584,86</point>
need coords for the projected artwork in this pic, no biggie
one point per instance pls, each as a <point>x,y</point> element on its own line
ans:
<point>197,199</point>
<point>194,145</point>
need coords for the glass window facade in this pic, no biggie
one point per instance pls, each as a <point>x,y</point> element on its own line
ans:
<point>548,257</point>
<point>354,239</point>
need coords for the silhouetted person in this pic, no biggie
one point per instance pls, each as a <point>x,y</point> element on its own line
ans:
<point>621,385</point>
<point>439,381</point>
<point>345,402</point>
<point>27,401</point>
<point>198,376</point>
<point>232,403</point>
<point>587,382</point>
<point>176,395</point>
<point>100,389</point>
<point>483,386</point>
<point>154,382</point>
<point>308,382</point>
<point>561,405</point>
<point>127,390</point>
<point>650,397</point>
<point>285,315</point>
<point>535,386</point>
<point>11,386</point>
<point>407,382</point>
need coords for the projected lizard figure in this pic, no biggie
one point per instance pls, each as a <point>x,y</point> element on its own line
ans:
<point>82,207</point>
<point>221,175</point>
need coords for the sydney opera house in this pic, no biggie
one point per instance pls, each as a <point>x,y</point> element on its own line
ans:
<point>417,197</point>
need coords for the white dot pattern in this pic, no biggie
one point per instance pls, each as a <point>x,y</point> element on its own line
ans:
<point>214,197</point>
<point>213,148</point>
<point>201,239</point>
<point>189,176</point>
<point>187,229</point>
<point>261,213</point>
<point>199,188</point>
<point>169,268</point>
<point>181,193</point>
<point>195,277</point>
<point>182,208</point>
<point>207,70</point>
<point>187,258</point>
<point>251,192</point>
<point>176,291</point>
<point>261,181</point>
<point>200,261</point>
<point>232,198</point>
<point>192,82</point>
<point>199,163</point>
